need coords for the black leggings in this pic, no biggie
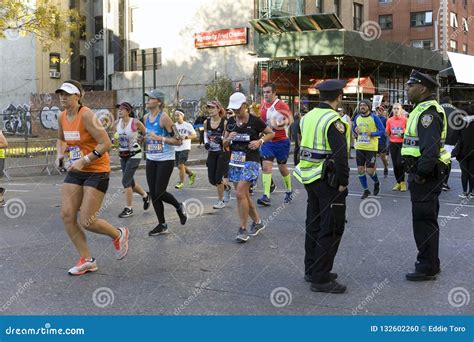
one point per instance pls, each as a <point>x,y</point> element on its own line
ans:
<point>215,167</point>
<point>467,174</point>
<point>158,175</point>
<point>396,153</point>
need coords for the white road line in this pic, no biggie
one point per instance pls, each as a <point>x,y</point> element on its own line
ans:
<point>450,217</point>
<point>15,190</point>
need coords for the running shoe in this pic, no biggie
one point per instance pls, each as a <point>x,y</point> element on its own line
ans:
<point>219,205</point>
<point>83,266</point>
<point>272,187</point>
<point>376,188</point>
<point>146,201</point>
<point>227,193</point>
<point>160,229</point>
<point>183,217</point>
<point>288,197</point>
<point>403,186</point>
<point>464,195</point>
<point>121,243</point>
<point>192,178</point>
<point>445,187</point>
<point>242,235</point>
<point>255,228</point>
<point>264,200</point>
<point>178,185</point>
<point>126,212</point>
<point>2,203</point>
<point>365,194</point>
<point>396,187</point>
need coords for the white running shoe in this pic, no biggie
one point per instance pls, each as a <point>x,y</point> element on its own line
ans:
<point>83,266</point>
<point>219,205</point>
<point>121,243</point>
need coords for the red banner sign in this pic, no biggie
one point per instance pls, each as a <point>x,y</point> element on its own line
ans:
<point>235,36</point>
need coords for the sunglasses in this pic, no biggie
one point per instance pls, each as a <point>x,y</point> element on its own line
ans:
<point>211,107</point>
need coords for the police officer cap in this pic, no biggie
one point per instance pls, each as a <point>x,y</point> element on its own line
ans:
<point>423,79</point>
<point>331,85</point>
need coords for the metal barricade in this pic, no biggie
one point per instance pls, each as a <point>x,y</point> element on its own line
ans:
<point>29,157</point>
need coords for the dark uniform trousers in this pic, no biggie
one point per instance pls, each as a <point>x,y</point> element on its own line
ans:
<point>425,209</point>
<point>325,220</point>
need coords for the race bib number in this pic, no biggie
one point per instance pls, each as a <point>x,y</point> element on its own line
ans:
<point>397,130</point>
<point>154,147</point>
<point>363,138</point>
<point>123,142</point>
<point>72,135</point>
<point>237,159</point>
<point>75,153</point>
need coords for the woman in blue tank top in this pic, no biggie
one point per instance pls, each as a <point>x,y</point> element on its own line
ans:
<point>161,137</point>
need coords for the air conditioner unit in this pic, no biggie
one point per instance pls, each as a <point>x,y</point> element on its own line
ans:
<point>54,74</point>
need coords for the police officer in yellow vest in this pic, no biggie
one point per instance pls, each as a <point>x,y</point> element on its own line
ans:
<point>324,171</point>
<point>426,161</point>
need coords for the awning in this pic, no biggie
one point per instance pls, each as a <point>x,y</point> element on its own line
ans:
<point>365,85</point>
<point>313,22</point>
<point>462,66</point>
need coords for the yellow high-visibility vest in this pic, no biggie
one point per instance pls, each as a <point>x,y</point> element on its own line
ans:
<point>315,146</point>
<point>411,146</point>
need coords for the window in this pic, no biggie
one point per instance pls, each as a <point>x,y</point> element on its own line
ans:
<point>358,16</point>
<point>453,20</point>
<point>464,49</point>
<point>421,19</point>
<point>83,68</point>
<point>319,6</point>
<point>386,22</point>
<point>55,62</point>
<point>99,68</point>
<point>337,7</point>
<point>453,45</point>
<point>99,25</point>
<point>385,1</point>
<point>82,29</point>
<point>422,44</point>
<point>134,60</point>
<point>465,26</point>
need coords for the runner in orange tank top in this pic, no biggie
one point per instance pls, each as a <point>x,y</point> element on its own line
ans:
<point>82,145</point>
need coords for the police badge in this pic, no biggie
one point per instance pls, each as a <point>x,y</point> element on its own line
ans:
<point>426,120</point>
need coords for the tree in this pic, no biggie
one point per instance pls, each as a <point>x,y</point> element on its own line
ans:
<point>43,18</point>
<point>220,88</point>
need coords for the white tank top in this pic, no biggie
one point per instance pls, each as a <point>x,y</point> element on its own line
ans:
<point>128,138</point>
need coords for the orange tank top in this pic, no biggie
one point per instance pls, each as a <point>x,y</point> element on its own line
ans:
<point>81,143</point>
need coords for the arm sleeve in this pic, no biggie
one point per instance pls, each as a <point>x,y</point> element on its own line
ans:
<point>260,125</point>
<point>430,140</point>
<point>338,144</point>
<point>380,128</point>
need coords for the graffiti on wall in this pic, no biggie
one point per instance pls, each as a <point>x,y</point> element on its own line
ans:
<point>16,120</point>
<point>190,107</point>
<point>49,117</point>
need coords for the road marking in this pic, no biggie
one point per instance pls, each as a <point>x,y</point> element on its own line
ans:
<point>15,190</point>
<point>450,217</point>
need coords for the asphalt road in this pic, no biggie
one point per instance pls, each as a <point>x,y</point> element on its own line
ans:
<point>198,269</point>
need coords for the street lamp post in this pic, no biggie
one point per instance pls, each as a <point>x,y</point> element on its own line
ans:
<point>339,59</point>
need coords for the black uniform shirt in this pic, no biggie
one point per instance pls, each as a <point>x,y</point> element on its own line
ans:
<point>337,141</point>
<point>429,128</point>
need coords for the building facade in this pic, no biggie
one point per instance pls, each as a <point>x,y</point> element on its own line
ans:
<point>442,25</point>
